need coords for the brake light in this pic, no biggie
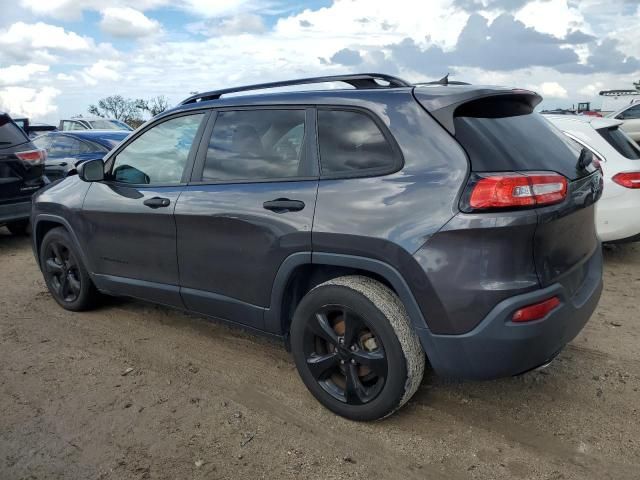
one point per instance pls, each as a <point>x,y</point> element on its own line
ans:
<point>536,311</point>
<point>628,179</point>
<point>516,189</point>
<point>34,157</point>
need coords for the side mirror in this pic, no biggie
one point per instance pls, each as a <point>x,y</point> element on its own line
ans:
<point>91,170</point>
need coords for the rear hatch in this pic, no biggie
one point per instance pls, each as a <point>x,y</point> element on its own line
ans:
<point>21,163</point>
<point>504,137</point>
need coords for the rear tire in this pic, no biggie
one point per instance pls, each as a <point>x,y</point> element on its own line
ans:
<point>355,349</point>
<point>64,273</point>
<point>19,227</point>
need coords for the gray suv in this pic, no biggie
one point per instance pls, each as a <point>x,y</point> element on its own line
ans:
<point>372,228</point>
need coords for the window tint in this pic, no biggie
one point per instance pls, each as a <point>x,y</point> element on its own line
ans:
<point>160,154</point>
<point>254,145</point>
<point>631,113</point>
<point>350,142</point>
<point>621,142</point>
<point>63,146</point>
<point>516,142</point>
<point>10,133</point>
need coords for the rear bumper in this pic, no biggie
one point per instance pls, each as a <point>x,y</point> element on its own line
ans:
<point>498,347</point>
<point>15,211</point>
<point>617,213</point>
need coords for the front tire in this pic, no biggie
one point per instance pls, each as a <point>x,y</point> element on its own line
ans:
<point>355,349</point>
<point>64,273</point>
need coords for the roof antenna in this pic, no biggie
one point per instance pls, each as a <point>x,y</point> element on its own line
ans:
<point>444,80</point>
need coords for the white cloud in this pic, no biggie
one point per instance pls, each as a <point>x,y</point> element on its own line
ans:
<point>29,102</point>
<point>65,78</point>
<point>103,71</point>
<point>43,36</point>
<point>556,17</point>
<point>550,90</point>
<point>72,9</point>
<point>16,74</point>
<point>127,22</point>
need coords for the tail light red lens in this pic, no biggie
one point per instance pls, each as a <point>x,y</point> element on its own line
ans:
<point>34,157</point>
<point>516,190</point>
<point>536,311</point>
<point>628,179</point>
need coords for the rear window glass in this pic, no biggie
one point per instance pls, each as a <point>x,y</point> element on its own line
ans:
<point>10,134</point>
<point>621,142</point>
<point>351,142</point>
<point>520,142</point>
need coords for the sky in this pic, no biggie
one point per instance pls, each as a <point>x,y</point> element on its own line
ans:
<point>59,56</point>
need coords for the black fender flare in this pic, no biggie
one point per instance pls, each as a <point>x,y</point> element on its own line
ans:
<point>273,315</point>
<point>63,222</point>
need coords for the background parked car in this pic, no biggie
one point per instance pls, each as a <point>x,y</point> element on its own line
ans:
<point>93,124</point>
<point>630,117</point>
<point>617,213</point>
<point>66,150</point>
<point>34,129</point>
<point>21,174</point>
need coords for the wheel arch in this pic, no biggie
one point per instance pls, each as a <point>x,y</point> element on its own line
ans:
<point>302,271</point>
<point>44,223</point>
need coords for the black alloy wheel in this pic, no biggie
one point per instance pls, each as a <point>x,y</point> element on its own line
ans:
<point>344,355</point>
<point>62,272</point>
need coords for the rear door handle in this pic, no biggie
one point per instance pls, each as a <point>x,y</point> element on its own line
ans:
<point>282,205</point>
<point>157,202</point>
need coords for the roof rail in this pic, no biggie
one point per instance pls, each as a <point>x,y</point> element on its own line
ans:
<point>359,81</point>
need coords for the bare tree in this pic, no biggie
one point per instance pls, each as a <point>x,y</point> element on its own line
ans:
<point>118,107</point>
<point>155,105</point>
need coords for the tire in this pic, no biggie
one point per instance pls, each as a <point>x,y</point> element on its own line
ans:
<point>19,227</point>
<point>331,341</point>
<point>64,273</point>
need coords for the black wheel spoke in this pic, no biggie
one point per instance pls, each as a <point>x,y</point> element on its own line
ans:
<point>71,262</point>
<point>74,285</point>
<point>354,392</point>
<point>53,267</point>
<point>64,286</point>
<point>321,365</point>
<point>375,361</point>
<point>351,327</point>
<point>322,328</point>
<point>57,251</point>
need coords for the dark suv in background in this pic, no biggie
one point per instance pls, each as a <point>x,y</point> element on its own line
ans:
<point>21,175</point>
<point>367,227</point>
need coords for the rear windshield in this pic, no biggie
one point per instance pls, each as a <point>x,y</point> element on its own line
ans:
<point>10,133</point>
<point>514,142</point>
<point>621,142</point>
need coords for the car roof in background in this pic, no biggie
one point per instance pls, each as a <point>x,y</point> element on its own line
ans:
<point>595,122</point>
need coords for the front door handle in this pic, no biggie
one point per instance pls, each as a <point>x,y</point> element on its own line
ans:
<point>282,205</point>
<point>157,202</point>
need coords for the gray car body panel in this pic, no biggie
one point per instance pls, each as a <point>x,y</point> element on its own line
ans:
<point>450,269</point>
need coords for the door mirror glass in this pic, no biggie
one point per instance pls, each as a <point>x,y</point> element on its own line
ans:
<point>129,174</point>
<point>91,171</point>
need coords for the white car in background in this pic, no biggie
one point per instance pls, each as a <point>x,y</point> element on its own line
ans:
<point>630,116</point>
<point>618,212</point>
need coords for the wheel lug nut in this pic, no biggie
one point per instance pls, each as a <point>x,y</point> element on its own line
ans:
<point>341,362</point>
<point>341,340</point>
<point>353,361</point>
<point>353,348</point>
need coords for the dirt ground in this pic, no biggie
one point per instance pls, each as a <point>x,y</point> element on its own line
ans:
<point>204,401</point>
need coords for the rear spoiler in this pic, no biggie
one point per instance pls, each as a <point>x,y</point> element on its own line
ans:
<point>444,103</point>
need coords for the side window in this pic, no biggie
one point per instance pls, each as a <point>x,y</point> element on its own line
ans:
<point>160,154</point>
<point>63,146</point>
<point>43,142</point>
<point>632,113</point>
<point>351,142</point>
<point>255,145</point>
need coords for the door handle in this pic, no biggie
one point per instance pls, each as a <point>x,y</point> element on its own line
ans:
<point>282,205</point>
<point>157,202</point>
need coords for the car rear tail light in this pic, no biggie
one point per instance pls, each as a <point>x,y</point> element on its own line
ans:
<point>628,179</point>
<point>33,157</point>
<point>536,311</point>
<point>515,190</point>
